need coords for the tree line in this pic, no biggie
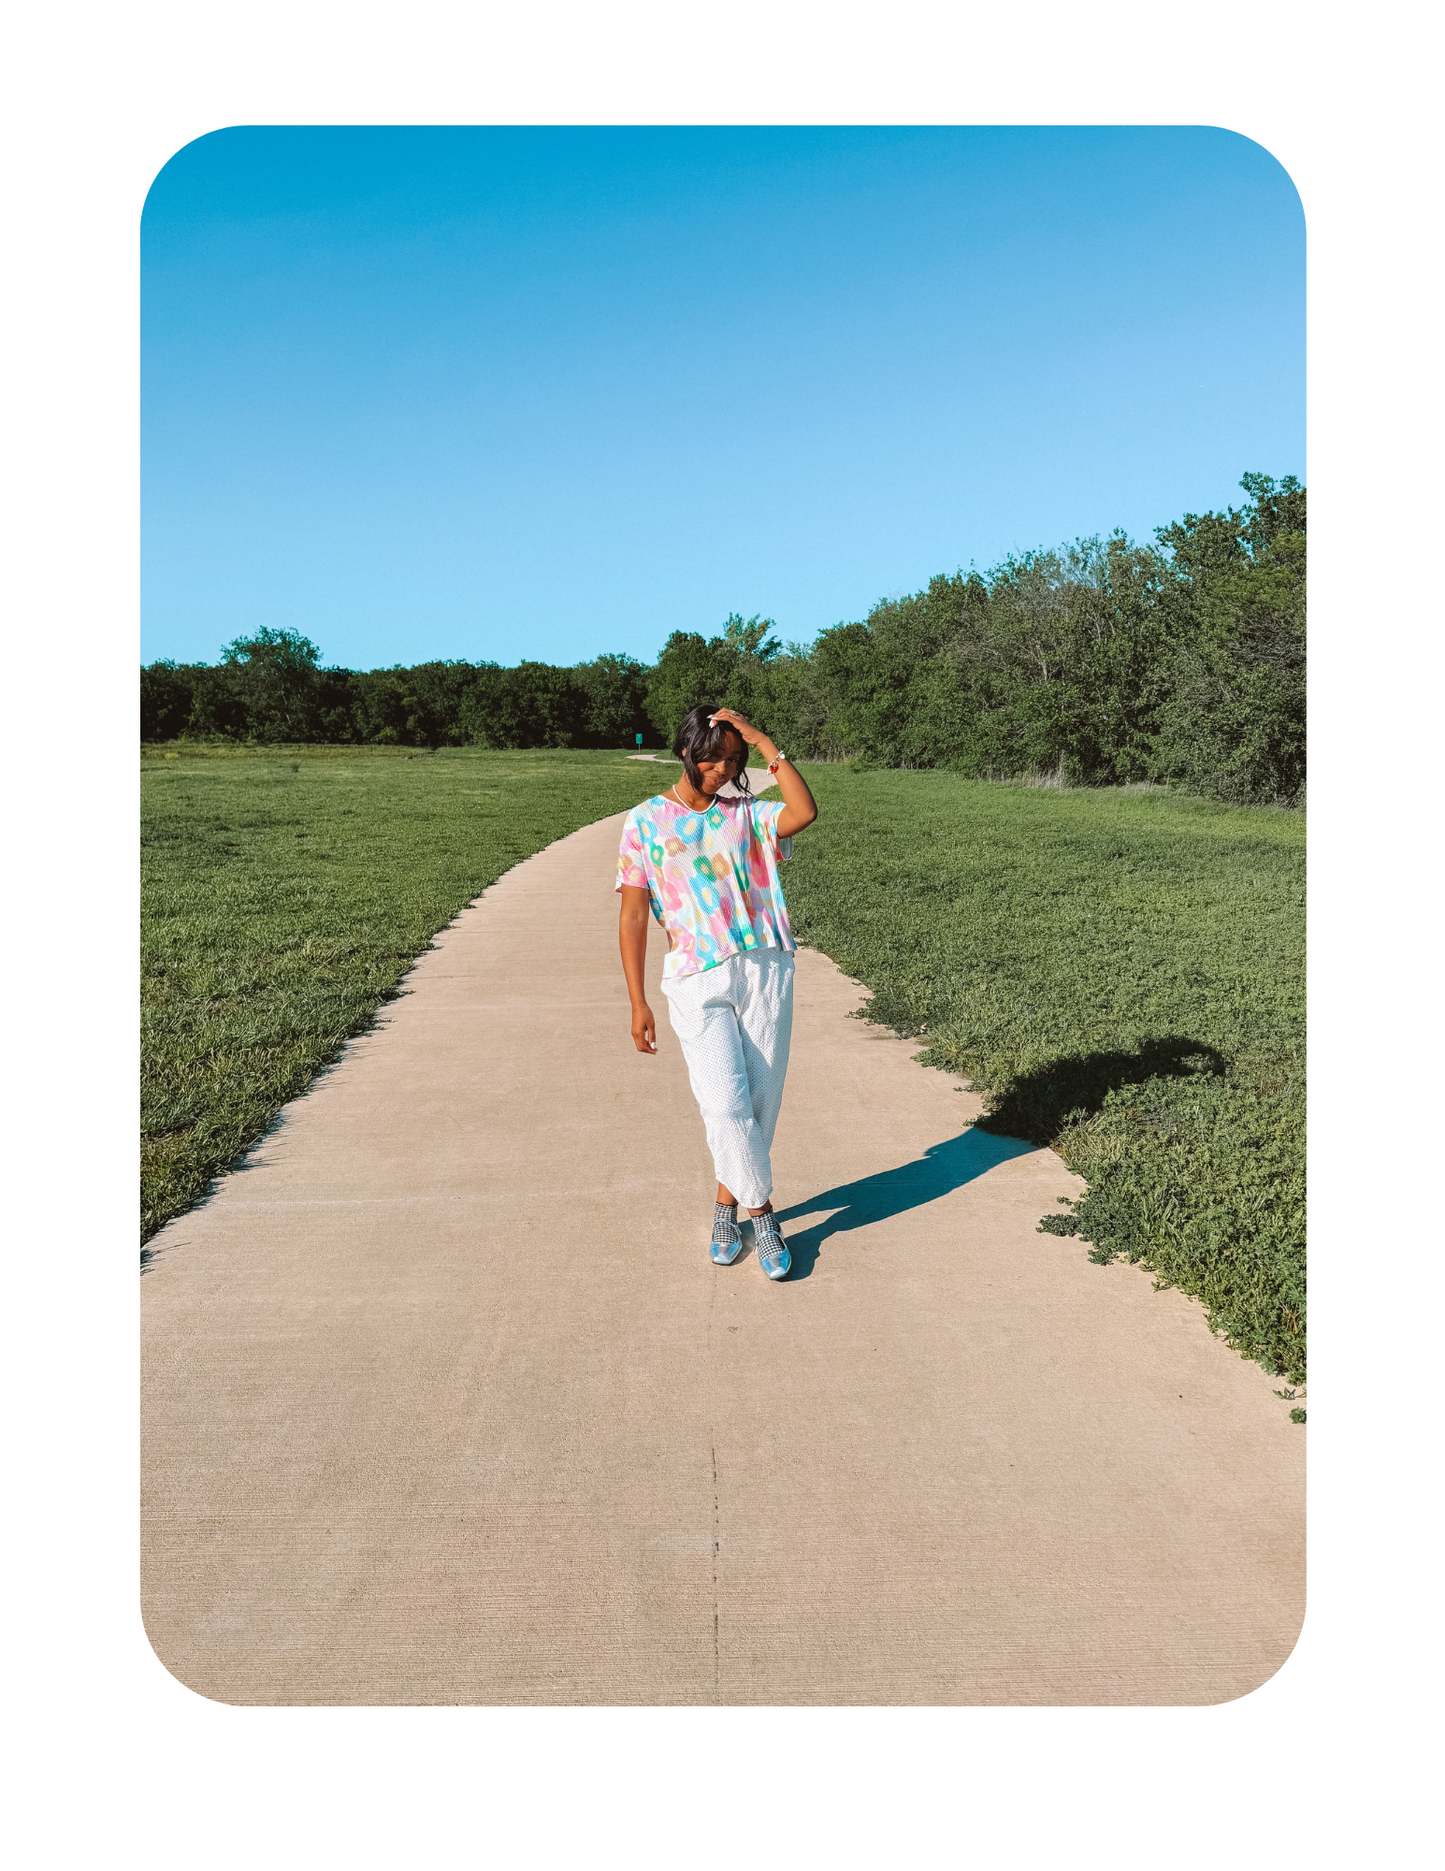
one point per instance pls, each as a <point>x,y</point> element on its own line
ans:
<point>1104,662</point>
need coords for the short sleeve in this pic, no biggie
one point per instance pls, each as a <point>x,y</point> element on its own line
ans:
<point>631,872</point>
<point>766,813</point>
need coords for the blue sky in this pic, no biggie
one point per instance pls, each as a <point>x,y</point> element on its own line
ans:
<point>495,393</point>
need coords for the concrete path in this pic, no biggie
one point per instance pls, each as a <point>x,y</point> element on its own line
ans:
<point>444,1403</point>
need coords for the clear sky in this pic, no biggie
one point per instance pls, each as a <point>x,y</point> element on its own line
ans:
<point>495,393</point>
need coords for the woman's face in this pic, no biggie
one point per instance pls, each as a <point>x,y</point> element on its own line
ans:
<point>721,768</point>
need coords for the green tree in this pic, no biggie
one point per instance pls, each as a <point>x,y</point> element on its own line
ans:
<point>533,705</point>
<point>614,711</point>
<point>1231,710</point>
<point>750,637</point>
<point>218,706</point>
<point>733,670</point>
<point>274,676</point>
<point>689,670</point>
<point>387,709</point>
<point>167,696</point>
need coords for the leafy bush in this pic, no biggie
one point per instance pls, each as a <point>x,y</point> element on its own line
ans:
<point>1204,1184</point>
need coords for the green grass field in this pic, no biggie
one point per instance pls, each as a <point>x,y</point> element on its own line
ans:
<point>1121,974</point>
<point>285,893</point>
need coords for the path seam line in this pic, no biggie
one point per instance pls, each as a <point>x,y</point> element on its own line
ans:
<point>712,1441</point>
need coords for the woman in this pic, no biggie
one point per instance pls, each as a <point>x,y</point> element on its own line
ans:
<point>705,863</point>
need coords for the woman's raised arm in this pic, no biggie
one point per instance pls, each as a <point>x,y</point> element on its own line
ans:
<point>799,806</point>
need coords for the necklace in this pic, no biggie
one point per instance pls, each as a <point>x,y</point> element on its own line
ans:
<point>682,802</point>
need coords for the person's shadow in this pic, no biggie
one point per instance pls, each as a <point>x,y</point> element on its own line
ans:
<point>942,1167</point>
<point>1038,1104</point>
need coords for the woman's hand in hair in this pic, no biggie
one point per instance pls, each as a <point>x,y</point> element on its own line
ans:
<point>753,736</point>
<point>799,806</point>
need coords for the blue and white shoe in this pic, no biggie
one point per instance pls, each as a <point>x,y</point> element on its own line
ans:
<point>773,1255</point>
<point>727,1237</point>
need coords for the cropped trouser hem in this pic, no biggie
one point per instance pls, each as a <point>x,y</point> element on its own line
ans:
<point>734,1024</point>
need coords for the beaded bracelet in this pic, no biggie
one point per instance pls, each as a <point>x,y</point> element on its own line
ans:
<point>773,765</point>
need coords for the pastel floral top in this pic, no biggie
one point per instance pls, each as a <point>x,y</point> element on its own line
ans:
<point>711,877</point>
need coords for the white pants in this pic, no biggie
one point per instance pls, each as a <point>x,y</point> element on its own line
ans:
<point>734,1023</point>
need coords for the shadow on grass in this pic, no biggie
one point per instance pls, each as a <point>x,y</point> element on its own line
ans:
<point>1039,1104</point>
<point>942,1168</point>
<point>1030,1113</point>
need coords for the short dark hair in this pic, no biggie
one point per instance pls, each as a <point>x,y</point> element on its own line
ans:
<point>699,738</point>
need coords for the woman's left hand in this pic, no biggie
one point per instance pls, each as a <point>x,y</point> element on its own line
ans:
<point>753,736</point>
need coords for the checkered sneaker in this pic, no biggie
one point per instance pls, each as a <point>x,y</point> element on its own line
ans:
<point>727,1239</point>
<point>773,1255</point>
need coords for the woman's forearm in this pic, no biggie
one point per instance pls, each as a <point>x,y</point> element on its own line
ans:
<point>799,806</point>
<point>632,942</point>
